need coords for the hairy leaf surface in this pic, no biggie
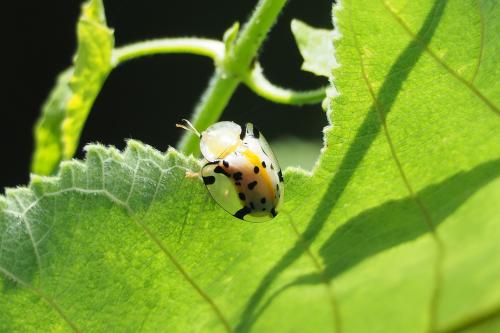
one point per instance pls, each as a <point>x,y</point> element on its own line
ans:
<point>397,228</point>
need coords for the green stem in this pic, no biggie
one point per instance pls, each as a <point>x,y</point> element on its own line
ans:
<point>200,46</point>
<point>214,49</point>
<point>252,35</point>
<point>234,66</point>
<point>256,81</point>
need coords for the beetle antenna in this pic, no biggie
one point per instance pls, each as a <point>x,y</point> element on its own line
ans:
<point>186,124</point>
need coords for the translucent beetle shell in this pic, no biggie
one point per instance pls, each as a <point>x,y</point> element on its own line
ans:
<point>241,173</point>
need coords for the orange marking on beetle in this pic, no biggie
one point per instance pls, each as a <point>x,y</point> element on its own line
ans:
<point>255,160</point>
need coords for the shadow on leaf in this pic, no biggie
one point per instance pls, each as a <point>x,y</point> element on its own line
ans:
<point>365,136</point>
<point>391,224</point>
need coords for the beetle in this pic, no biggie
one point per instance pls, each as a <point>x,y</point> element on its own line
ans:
<point>241,172</point>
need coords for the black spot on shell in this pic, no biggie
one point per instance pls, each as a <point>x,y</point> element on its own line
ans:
<point>272,166</point>
<point>256,169</point>
<point>263,200</point>
<point>219,169</point>
<point>264,164</point>
<point>226,163</point>
<point>280,176</point>
<point>252,185</point>
<point>209,180</point>
<point>237,183</point>
<point>263,209</point>
<point>242,196</point>
<point>242,212</point>
<point>238,176</point>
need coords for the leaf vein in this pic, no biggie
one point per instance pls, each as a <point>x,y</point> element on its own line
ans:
<point>149,233</point>
<point>157,240</point>
<point>134,178</point>
<point>43,296</point>
<point>31,236</point>
<point>438,264</point>
<point>321,272</point>
<point>179,267</point>
<point>106,193</point>
<point>481,45</point>
<point>440,61</point>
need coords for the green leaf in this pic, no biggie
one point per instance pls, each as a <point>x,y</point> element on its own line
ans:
<point>92,66</point>
<point>58,130</point>
<point>316,47</point>
<point>395,230</point>
<point>48,131</point>
<point>230,35</point>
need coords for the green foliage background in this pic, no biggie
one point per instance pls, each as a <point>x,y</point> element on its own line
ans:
<point>396,229</point>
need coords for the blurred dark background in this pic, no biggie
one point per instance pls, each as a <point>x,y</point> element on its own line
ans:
<point>144,98</point>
